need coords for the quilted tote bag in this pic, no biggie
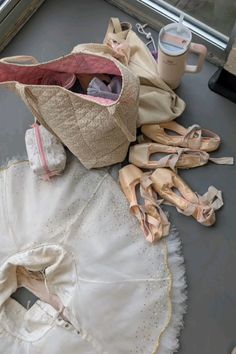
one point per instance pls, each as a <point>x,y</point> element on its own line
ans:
<point>96,130</point>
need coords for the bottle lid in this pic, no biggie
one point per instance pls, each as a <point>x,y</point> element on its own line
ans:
<point>174,39</point>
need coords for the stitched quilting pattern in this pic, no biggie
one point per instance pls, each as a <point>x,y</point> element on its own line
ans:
<point>98,134</point>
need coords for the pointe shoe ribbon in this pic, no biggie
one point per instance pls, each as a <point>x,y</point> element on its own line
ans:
<point>121,49</point>
<point>193,137</point>
<point>152,219</point>
<point>145,183</point>
<point>195,132</point>
<point>213,198</point>
<point>174,157</point>
<point>173,189</point>
<point>171,160</point>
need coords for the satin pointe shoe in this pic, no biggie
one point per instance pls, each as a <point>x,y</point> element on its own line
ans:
<point>193,137</point>
<point>171,156</point>
<point>175,191</point>
<point>152,219</point>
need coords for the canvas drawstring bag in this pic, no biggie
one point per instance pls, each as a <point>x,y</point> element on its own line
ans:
<point>157,102</point>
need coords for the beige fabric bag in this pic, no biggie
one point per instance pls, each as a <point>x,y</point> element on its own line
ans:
<point>96,130</point>
<point>157,102</point>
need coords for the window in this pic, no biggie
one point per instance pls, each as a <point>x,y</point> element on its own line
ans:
<point>211,21</point>
<point>218,14</point>
<point>2,2</point>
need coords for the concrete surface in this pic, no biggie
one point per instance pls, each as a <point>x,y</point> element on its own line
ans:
<point>209,252</point>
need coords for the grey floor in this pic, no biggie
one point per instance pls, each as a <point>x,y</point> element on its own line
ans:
<point>210,253</point>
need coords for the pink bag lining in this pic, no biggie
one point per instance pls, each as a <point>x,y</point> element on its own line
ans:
<point>75,63</point>
<point>80,63</point>
<point>100,100</point>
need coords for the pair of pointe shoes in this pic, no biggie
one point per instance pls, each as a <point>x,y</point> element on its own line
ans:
<point>152,219</point>
<point>188,148</point>
<point>173,190</point>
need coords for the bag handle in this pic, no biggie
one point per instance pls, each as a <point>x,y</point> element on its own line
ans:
<point>22,90</point>
<point>31,101</point>
<point>18,59</point>
<point>118,29</point>
<point>114,25</point>
<point>115,38</point>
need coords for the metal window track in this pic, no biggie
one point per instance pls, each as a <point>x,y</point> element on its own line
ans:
<point>158,14</point>
<point>13,15</point>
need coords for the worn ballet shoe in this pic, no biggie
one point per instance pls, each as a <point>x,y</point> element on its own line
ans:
<point>152,219</point>
<point>193,137</point>
<point>174,157</point>
<point>175,191</point>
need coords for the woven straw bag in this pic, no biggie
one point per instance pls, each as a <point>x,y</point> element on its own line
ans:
<point>96,130</point>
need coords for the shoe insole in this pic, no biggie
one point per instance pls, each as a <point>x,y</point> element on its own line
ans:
<point>156,156</point>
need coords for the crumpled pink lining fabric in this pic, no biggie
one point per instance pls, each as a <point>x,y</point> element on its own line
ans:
<point>76,230</point>
<point>75,64</point>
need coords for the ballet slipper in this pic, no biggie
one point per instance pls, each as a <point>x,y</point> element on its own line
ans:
<point>176,192</point>
<point>152,219</point>
<point>193,137</point>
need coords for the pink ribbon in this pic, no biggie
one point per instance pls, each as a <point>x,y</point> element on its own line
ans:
<point>122,49</point>
<point>48,174</point>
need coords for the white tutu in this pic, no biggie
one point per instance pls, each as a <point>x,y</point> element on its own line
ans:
<point>76,230</point>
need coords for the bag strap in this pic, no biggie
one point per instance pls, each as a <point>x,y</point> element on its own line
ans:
<point>117,30</point>
<point>31,101</point>
<point>19,59</point>
<point>114,25</point>
<point>22,90</point>
<point>115,38</point>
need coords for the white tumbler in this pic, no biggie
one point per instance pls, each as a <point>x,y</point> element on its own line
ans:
<point>174,46</point>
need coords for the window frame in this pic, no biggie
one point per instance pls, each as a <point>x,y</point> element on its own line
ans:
<point>13,15</point>
<point>158,14</point>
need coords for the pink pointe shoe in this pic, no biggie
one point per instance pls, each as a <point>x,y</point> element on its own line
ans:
<point>193,137</point>
<point>152,219</point>
<point>172,188</point>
